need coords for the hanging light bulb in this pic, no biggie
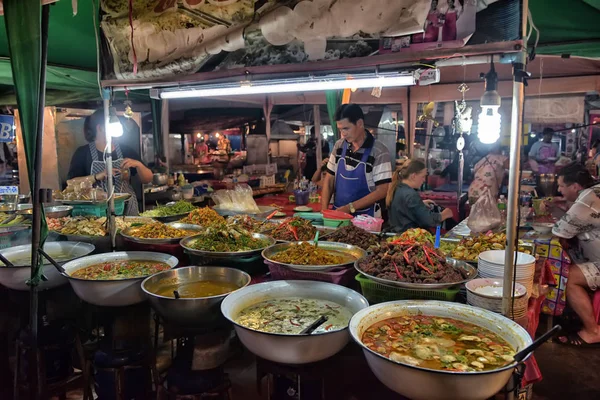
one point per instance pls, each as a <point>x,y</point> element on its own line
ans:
<point>489,121</point>
<point>115,128</point>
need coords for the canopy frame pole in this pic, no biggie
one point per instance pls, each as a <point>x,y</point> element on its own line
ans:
<point>109,168</point>
<point>516,133</point>
<point>319,137</point>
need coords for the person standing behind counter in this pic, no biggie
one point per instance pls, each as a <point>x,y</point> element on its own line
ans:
<point>359,169</point>
<point>544,152</point>
<point>407,210</point>
<point>88,160</point>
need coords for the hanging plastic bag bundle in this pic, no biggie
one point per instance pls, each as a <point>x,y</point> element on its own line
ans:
<point>484,214</point>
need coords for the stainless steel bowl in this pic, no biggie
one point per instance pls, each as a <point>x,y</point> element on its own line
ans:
<point>15,277</point>
<point>160,179</point>
<point>468,269</point>
<point>190,312</point>
<point>185,243</point>
<point>112,293</point>
<point>419,383</point>
<point>354,253</point>
<point>22,198</point>
<point>291,349</point>
<point>126,233</point>
<point>51,211</point>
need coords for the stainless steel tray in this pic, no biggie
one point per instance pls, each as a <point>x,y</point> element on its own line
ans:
<point>126,234</point>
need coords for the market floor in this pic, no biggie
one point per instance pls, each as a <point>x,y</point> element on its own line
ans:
<point>569,373</point>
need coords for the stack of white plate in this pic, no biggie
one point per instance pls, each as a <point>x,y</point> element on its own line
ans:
<point>491,265</point>
<point>487,293</point>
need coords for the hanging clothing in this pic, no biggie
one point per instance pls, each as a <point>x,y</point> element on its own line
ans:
<point>352,184</point>
<point>119,184</point>
<point>489,173</point>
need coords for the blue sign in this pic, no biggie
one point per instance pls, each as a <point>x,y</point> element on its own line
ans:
<point>7,132</point>
<point>9,190</point>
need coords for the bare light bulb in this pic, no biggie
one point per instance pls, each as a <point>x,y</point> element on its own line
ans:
<point>489,122</point>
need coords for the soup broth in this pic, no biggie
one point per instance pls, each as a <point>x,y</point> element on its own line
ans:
<point>438,343</point>
<point>197,289</point>
<point>290,316</point>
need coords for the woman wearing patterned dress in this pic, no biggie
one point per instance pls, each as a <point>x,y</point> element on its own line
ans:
<point>489,173</point>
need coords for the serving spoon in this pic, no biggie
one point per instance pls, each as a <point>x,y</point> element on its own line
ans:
<point>311,328</point>
<point>520,356</point>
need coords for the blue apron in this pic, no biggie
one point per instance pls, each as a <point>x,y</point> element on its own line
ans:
<point>352,185</point>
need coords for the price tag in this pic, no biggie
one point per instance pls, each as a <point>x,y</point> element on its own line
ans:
<point>9,190</point>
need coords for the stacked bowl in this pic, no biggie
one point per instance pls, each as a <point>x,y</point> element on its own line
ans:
<point>491,265</point>
<point>487,293</point>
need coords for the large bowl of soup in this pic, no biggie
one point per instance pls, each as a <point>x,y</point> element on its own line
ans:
<point>435,350</point>
<point>192,296</point>
<point>269,318</point>
<point>114,279</point>
<point>16,277</point>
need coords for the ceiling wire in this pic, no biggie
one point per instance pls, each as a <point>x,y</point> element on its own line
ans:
<point>96,27</point>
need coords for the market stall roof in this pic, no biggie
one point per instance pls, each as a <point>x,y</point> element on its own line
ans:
<point>565,28</point>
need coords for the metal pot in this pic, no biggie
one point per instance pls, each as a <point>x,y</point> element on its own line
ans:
<point>190,311</point>
<point>419,383</point>
<point>160,179</point>
<point>15,277</point>
<point>112,293</point>
<point>291,349</point>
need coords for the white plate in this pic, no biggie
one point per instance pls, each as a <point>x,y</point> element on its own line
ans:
<point>279,214</point>
<point>497,257</point>
<point>303,209</point>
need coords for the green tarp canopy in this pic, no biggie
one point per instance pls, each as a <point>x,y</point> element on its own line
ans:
<point>566,27</point>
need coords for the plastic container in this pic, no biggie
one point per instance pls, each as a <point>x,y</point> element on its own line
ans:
<point>343,277</point>
<point>335,223</point>
<point>301,197</point>
<point>97,210</point>
<point>369,224</point>
<point>376,292</point>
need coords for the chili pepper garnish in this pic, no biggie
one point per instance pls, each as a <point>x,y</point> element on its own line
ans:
<point>328,327</point>
<point>424,268</point>
<point>397,270</point>
<point>293,323</point>
<point>406,254</point>
<point>297,308</point>
<point>427,255</point>
<point>294,230</point>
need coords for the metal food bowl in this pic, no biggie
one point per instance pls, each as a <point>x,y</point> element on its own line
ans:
<point>418,383</point>
<point>112,293</point>
<point>354,254</point>
<point>185,243</point>
<point>291,349</point>
<point>16,277</point>
<point>191,312</point>
<point>51,211</point>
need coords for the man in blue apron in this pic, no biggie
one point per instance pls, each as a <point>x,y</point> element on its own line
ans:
<point>359,168</point>
<point>88,160</point>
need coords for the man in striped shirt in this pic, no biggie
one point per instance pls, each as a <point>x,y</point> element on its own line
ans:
<point>359,168</point>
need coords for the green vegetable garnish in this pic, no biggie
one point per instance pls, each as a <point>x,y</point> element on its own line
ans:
<point>180,207</point>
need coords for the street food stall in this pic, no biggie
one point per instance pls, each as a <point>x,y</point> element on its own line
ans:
<point>305,294</point>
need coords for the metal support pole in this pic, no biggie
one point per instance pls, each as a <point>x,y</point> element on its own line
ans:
<point>319,149</point>
<point>461,169</point>
<point>109,168</point>
<point>516,133</point>
<point>36,385</point>
<point>164,129</point>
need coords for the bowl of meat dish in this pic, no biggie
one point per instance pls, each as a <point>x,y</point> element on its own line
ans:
<point>269,319</point>
<point>192,296</point>
<point>306,256</point>
<point>414,265</point>
<point>435,350</point>
<point>113,279</point>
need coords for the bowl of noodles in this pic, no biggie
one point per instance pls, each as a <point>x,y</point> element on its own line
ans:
<point>309,257</point>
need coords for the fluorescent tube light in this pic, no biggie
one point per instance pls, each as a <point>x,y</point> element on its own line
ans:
<point>289,86</point>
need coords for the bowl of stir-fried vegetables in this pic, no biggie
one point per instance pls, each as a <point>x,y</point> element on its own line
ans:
<point>226,242</point>
<point>305,256</point>
<point>159,233</point>
<point>170,212</point>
